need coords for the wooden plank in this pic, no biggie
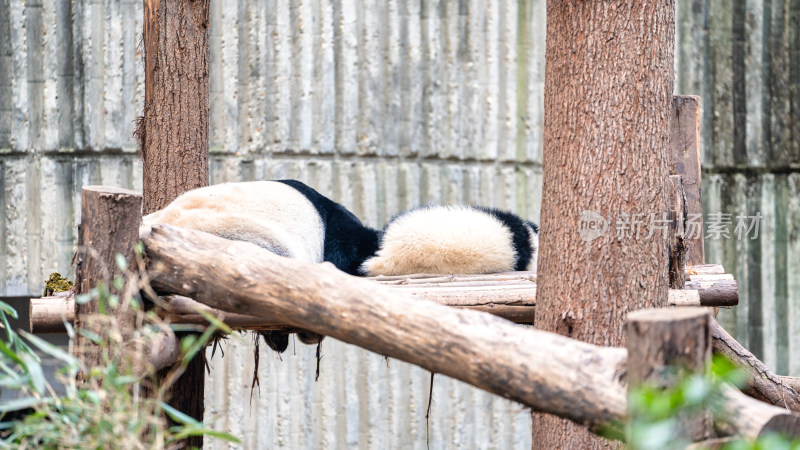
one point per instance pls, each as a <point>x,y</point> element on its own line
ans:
<point>685,152</point>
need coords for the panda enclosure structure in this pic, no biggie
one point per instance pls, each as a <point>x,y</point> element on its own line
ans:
<point>529,366</point>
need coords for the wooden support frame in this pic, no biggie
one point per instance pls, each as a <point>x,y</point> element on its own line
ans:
<point>508,295</point>
<point>177,263</point>
<point>525,365</point>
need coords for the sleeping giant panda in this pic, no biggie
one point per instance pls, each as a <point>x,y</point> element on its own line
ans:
<point>455,240</point>
<point>285,217</point>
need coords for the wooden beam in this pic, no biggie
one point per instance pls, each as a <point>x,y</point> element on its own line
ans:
<point>545,371</point>
<point>676,241</point>
<point>510,296</point>
<point>750,418</point>
<point>685,153</point>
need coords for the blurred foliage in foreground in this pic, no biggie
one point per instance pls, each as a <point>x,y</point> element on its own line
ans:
<point>654,411</point>
<point>102,407</point>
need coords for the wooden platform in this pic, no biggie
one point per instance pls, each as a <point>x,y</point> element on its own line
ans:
<point>511,295</point>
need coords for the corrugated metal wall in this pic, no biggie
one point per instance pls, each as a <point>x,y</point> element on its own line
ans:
<point>744,59</point>
<point>383,105</point>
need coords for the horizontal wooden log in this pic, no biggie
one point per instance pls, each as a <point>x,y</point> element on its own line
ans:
<point>510,295</point>
<point>724,292</point>
<point>48,314</point>
<point>762,383</point>
<point>704,269</point>
<point>440,278</point>
<point>512,302</point>
<point>519,363</point>
<point>164,351</point>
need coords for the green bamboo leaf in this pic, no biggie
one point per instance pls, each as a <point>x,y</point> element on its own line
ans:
<point>50,349</point>
<point>213,320</point>
<point>122,263</point>
<point>10,353</point>
<point>35,373</point>
<point>8,309</point>
<point>93,337</point>
<point>205,432</point>
<point>19,403</point>
<point>178,416</point>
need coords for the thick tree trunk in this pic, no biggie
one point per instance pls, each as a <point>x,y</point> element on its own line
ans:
<point>174,132</point>
<point>608,97</point>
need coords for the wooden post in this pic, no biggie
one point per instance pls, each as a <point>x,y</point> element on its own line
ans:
<point>174,133</point>
<point>110,219</point>
<point>661,340</point>
<point>685,152</point>
<point>677,247</point>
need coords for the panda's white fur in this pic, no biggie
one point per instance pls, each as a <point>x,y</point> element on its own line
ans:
<point>285,217</point>
<point>454,239</point>
<point>270,214</point>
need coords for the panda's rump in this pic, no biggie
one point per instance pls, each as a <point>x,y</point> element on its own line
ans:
<point>271,215</point>
<point>443,240</point>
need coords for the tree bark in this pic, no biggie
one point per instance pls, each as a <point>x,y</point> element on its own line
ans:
<point>174,132</point>
<point>661,340</point>
<point>608,96</point>
<point>104,209</point>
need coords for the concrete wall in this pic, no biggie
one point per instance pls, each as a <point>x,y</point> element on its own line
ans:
<point>742,58</point>
<point>383,105</point>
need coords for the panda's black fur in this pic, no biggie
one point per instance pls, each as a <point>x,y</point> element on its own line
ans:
<point>347,241</point>
<point>521,237</point>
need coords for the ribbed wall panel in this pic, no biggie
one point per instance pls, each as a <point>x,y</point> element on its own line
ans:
<point>383,105</point>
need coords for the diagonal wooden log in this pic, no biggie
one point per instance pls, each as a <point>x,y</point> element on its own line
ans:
<point>547,372</point>
<point>519,363</point>
<point>762,383</point>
